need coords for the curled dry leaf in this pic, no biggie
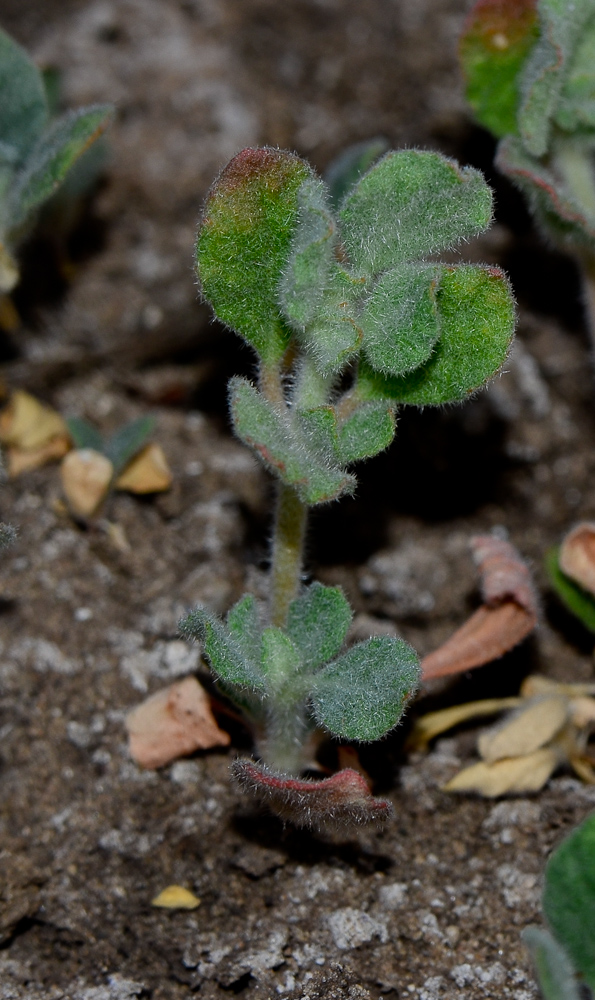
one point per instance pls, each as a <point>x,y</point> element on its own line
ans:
<point>172,723</point>
<point>148,472</point>
<point>577,555</point>
<point>19,460</point>
<point>512,774</point>
<point>508,615</point>
<point>86,476</point>
<point>332,802</point>
<point>176,897</point>
<point>428,726</point>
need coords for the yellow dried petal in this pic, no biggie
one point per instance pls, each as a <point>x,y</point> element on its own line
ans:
<point>526,730</point>
<point>28,424</point>
<point>434,723</point>
<point>175,897</point>
<point>19,461</point>
<point>513,774</point>
<point>86,476</point>
<point>577,555</point>
<point>582,711</point>
<point>148,472</point>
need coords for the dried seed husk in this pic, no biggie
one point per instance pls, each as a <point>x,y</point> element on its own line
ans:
<point>86,476</point>
<point>18,460</point>
<point>148,472</point>
<point>512,774</point>
<point>28,424</point>
<point>577,555</point>
<point>526,730</point>
<point>176,897</point>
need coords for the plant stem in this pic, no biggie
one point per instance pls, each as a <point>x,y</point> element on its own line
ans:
<point>287,552</point>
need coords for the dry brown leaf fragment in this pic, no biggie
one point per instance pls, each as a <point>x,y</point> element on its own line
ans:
<point>19,460</point>
<point>577,555</point>
<point>525,730</point>
<point>148,472</point>
<point>176,897</point>
<point>428,726</point>
<point>485,636</point>
<point>173,723</point>
<point>28,424</point>
<point>511,774</point>
<point>86,476</point>
<point>504,575</point>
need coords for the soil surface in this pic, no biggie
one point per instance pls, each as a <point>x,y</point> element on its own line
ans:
<point>431,906</point>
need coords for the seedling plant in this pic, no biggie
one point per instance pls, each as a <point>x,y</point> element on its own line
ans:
<point>350,315</point>
<point>530,69</point>
<point>36,151</point>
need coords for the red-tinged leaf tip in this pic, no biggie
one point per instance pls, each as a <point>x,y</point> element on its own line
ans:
<point>499,24</point>
<point>337,802</point>
<point>266,168</point>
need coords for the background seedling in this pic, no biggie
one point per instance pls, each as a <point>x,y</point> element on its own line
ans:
<point>350,315</point>
<point>36,152</point>
<point>530,69</point>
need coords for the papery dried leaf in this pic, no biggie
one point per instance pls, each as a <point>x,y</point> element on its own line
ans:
<point>582,711</point>
<point>18,460</point>
<point>488,634</point>
<point>504,575</point>
<point>173,723</point>
<point>28,424</point>
<point>526,730</point>
<point>148,472</point>
<point>577,555</point>
<point>86,477</point>
<point>176,897</point>
<point>342,800</point>
<point>513,774</point>
<point>432,724</point>
<point>537,684</point>
<point>583,767</point>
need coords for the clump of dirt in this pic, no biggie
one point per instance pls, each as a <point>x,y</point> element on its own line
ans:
<point>431,906</point>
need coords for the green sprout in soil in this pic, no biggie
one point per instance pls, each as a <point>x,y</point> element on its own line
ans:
<point>530,70</point>
<point>351,315</point>
<point>564,954</point>
<point>36,151</point>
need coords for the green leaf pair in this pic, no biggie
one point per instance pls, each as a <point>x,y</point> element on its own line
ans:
<point>530,68</point>
<point>35,152</point>
<point>360,694</point>
<point>121,447</point>
<point>569,907</point>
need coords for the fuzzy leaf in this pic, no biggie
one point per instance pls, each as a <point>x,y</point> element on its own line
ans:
<point>477,325</point>
<point>400,318</point>
<point>318,426</point>
<point>243,622</point>
<point>363,694</point>
<point>560,27</point>
<point>269,432</point>
<point>555,973</point>
<point>569,897</point>
<point>496,38</point>
<point>576,108</point>
<point>280,658</point>
<point>128,440</point>
<point>84,434</point>
<point>317,623</point>
<point>53,156</point>
<point>335,333</point>
<point>225,656</point>
<point>344,172</point>
<point>249,218</point>
<point>366,432</point>
<point>577,600</point>
<point>23,110</point>
<point>410,204</point>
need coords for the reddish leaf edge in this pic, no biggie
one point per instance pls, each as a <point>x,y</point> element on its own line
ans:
<point>333,803</point>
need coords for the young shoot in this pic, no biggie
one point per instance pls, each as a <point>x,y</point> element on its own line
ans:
<point>530,69</point>
<point>351,315</point>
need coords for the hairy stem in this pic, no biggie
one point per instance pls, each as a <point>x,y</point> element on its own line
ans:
<point>287,552</point>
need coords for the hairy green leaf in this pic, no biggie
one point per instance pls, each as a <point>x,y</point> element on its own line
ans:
<point>317,623</point>
<point>281,660</point>
<point>576,107</point>
<point>577,600</point>
<point>555,974</point>
<point>226,658</point>
<point>569,897</point>
<point>410,204</point>
<point>477,324</point>
<point>53,156</point>
<point>400,318</point>
<point>244,241</point>
<point>23,108</point>
<point>127,441</point>
<point>276,439</point>
<point>495,42</point>
<point>243,622</point>
<point>363,694</point>
<point>84,434</point>
<point>366,432</point>
<point>348,167</point>
<point>311,256</point>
